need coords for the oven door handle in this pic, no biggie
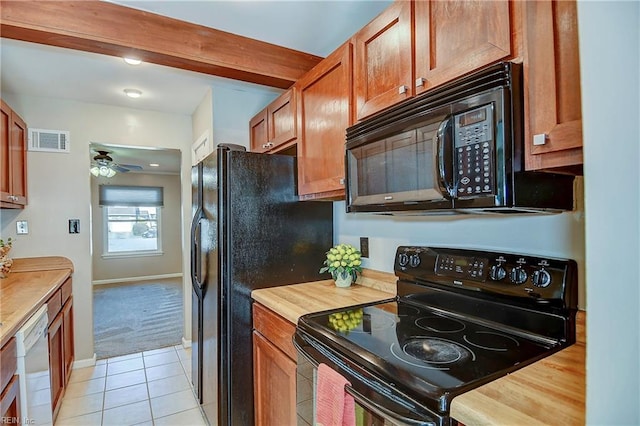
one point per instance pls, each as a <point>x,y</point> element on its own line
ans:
<point>382,411</point>
<point>311,354</point>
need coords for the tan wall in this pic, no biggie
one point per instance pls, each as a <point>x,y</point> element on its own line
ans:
<point>170,261</point>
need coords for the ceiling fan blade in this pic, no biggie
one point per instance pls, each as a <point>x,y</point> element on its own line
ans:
<point>131,166</point>
<point>119,168</point>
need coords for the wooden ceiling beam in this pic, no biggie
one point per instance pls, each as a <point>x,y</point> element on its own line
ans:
<point>110,29</point>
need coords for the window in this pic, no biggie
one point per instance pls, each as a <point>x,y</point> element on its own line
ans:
<point>132,219</point>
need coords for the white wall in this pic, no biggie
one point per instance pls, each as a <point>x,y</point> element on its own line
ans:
<point>59,186</point>
<point>233,108</point>
<point>609,64</point>
<point>557,235</point>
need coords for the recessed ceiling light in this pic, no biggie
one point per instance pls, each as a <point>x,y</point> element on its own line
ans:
<point>133,93</point>
<point>132,61</point>
<point>154,165</point>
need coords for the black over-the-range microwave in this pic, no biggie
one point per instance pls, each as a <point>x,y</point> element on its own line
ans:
<point>456,149</point>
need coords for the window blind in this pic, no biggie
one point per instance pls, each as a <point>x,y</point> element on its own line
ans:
<point>140,196</point>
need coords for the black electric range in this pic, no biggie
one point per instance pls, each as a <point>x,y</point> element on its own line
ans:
<point>461,319</point>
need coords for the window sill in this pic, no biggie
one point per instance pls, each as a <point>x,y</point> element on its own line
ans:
<point>131,254</point>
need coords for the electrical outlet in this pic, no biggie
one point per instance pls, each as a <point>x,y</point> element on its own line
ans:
<point>22,227</point>
<point>74,226</point>
<point>364,246</point>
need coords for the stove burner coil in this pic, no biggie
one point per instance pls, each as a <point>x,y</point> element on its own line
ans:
<point>440,324</point>
<point>431,352</point>
<point>491,341</point>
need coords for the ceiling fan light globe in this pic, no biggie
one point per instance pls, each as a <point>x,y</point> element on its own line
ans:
<point>95,170</point>
<point>111,173</point>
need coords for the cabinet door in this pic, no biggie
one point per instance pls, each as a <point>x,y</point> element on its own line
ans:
<point>383,60</point>
<point>56,362</point>
<point>454,37</point>
<point>10,402</point>
<point>324,113</point>
<point>274,384</point>
<point>258,131</point>
<point>13,159</point>
<point>553,133</point>
<point>18,159</point>
<point>281,119</point>
<point>5,169</point>
<point>67,336</point>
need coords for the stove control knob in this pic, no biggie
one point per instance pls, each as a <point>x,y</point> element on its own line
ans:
<point>541,278</point>
<point>497,272</point>
<point>414,260</point>
<point>518,275</point>
<point>403,259</point>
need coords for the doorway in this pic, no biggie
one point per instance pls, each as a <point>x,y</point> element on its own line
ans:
<point>136,249</point>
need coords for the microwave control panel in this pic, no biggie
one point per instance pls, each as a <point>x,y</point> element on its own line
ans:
<point>474,150</point>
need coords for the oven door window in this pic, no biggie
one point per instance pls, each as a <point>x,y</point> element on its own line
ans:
<point>397,169</point>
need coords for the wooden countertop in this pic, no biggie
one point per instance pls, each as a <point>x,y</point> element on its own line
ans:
<point>550,391</point>
<point>29,284</point>
<point>293,301</point>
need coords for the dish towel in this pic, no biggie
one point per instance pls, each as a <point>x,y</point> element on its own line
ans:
<point>334,406</point>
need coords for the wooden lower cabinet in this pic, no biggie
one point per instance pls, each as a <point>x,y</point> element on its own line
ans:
<point>274,369</point>
<point>56,362</point>
<point>9,384</point>
<point>61,344</point>
<point>67,337</point>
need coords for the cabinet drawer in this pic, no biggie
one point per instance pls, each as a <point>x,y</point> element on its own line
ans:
<point>8,362</point>
<point>276,329</point>
<point>54,304</point>
<point>66,290</point>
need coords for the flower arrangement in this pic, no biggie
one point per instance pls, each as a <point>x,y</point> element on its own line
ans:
<point>5,246</point>
<point>343,260</point>
<point>5,260</point>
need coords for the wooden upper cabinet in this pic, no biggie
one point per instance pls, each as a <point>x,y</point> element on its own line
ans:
<point>13,159</point>
<point>324,112</point>
<point>275,125</point>
<point>281,116</point>
<point>383,60</point>
<point>258,132</point>
<point>553,129</point>
<point>454,37</point>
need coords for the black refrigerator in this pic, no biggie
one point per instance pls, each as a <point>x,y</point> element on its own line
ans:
<point>248,231</point>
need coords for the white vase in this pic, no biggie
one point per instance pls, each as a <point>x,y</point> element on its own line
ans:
<point>343,280</point>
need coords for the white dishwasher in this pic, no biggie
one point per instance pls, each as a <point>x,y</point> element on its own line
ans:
<point>33,369</point>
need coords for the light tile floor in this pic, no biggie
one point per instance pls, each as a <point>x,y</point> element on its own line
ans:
<point>146,388</point>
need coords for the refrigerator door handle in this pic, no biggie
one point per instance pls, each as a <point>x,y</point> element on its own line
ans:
<point>196,263</point>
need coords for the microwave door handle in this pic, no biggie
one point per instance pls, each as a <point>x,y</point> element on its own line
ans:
<point>445,185</point>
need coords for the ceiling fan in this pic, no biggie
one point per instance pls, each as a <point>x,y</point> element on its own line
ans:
<point>104,166</point>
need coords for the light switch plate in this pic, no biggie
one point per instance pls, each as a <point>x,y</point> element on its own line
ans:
<point>22,227</point>
<point>74,226</point>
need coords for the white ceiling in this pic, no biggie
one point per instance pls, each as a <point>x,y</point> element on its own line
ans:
<point>316,27</point>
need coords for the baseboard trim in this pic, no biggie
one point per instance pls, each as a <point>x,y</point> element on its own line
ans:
<point>83,363</point>
<point>131,279</point>
<point>186,343</point>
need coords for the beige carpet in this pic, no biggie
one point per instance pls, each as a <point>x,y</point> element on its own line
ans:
<point>137,316</point>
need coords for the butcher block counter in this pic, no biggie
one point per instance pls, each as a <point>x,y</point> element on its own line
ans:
<point>29,284</point>
<point>293,301</point>
<point>550,391</point>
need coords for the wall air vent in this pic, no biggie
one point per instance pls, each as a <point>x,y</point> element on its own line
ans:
<point>49,140</point>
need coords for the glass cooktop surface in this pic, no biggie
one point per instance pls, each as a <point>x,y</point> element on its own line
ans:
<point>427,350</point>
